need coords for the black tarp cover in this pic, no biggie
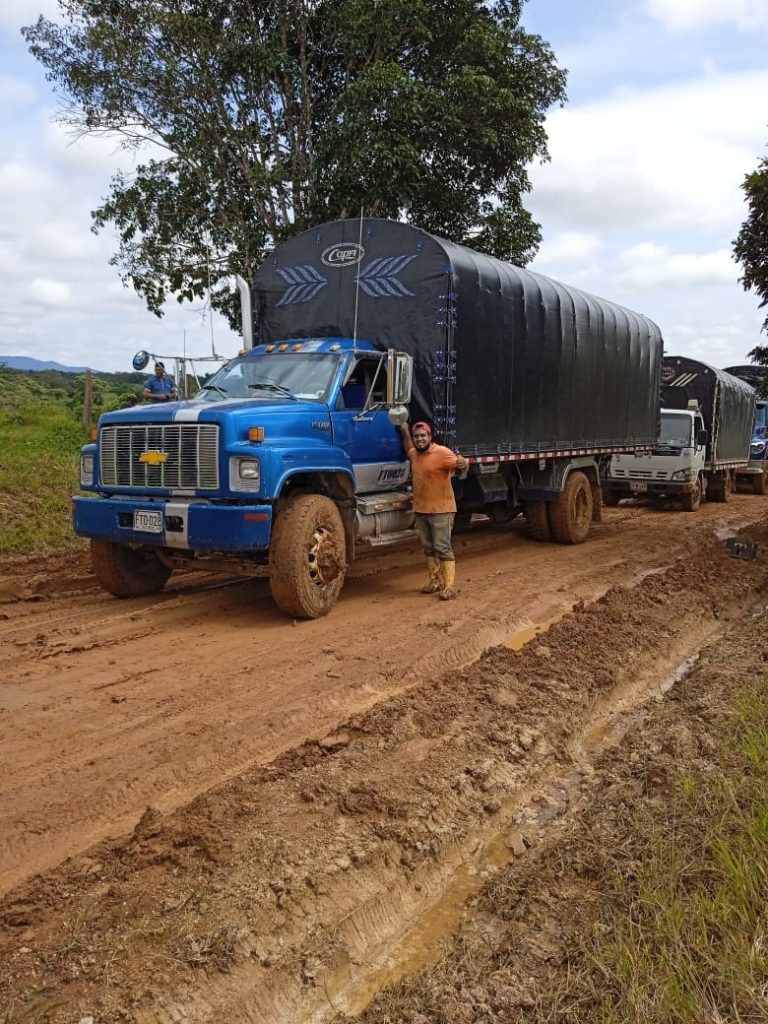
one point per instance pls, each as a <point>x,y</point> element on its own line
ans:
<point>505,360</point>
<point>726,402</point>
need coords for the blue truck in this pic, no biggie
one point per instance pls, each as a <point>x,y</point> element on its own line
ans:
<point>289,458</point>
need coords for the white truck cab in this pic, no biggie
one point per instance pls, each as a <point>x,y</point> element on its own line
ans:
<point>675,468</point>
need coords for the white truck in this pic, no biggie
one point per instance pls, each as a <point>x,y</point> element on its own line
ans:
<point>704,439</point>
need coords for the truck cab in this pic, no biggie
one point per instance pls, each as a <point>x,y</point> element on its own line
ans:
<point>286,458</point>
<point>675,468</point>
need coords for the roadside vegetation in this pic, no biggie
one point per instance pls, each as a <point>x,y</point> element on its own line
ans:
<point>42,430</point>
<point>685,936</point>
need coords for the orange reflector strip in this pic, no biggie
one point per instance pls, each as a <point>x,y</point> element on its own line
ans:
<point>256,517</point>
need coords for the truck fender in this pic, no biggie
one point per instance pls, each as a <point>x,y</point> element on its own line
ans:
<point>546,483</point>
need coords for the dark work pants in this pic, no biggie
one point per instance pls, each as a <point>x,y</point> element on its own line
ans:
<point>434,530</point>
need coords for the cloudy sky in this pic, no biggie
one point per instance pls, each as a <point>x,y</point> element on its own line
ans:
<point>667,111</point>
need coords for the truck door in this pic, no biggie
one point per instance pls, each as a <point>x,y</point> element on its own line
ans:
<point>372,443</point>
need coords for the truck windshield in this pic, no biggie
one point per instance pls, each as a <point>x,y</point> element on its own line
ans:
<point>301,376</point>
<point>675,431</point>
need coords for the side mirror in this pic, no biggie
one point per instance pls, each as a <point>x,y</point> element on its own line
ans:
<point>399,377</point>
<point>701,438</point>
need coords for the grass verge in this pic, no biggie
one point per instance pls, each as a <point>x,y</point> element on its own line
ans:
<point>38,475</point>
<point>686,936</point>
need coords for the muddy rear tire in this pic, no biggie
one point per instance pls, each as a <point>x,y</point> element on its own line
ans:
<point>307,557</point>
<point>537,520</point>
<point>127,572</point>
<point>571,515</point>
<point>758,483</point>
<point>722,492</point>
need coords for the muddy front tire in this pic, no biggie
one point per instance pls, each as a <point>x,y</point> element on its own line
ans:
<point>127,572</point>
<point>307,557</point>
<point>692,500</point>
<point>571,515</point>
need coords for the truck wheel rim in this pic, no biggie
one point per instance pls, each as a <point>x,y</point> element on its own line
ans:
<point>581,508</point>
<point>323,562</point>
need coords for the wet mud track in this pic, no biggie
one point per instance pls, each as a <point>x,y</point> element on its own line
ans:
<point>315,787</point>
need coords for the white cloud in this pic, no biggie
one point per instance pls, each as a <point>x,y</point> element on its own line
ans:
<point>698,15</point>
<point>663,158</point>
<point>648,266</point>
<point>50,293</point>
<point>570,246</point>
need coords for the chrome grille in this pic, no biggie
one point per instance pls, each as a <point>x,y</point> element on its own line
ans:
<point>191,450</point>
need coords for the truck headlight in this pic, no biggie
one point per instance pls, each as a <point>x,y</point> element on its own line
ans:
<point>86,470</point>
<point>244,474</point>
<point>757,448</point>
<point>249,469</point>
<point>681,474</point>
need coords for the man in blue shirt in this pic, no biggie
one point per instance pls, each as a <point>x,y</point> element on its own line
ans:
<point>161,387</point>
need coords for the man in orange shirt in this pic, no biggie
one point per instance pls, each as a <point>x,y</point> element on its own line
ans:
<point>434,504</point>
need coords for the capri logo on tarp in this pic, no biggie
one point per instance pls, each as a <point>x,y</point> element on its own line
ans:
<point>343,254</point>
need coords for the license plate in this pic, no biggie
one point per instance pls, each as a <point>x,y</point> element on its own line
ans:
<point>148,522</point>
<point>636,486</point>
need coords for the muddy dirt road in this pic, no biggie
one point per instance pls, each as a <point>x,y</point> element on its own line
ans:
<point>109,706</point>
<point>211,813</point>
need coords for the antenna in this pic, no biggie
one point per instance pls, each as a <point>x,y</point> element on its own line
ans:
<point>357,278</point>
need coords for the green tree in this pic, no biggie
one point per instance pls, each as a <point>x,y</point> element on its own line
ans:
<point>254,119</point>
<point>751,249</point>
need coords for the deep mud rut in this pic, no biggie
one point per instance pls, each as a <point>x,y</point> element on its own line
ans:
<point>211,813</point>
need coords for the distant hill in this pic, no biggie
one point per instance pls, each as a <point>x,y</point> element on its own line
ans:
<point>36,365</point>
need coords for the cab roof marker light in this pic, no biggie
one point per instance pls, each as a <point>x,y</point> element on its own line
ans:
<point>270,348</point>
<point>334,348</point>
<point>296,347</point>
<point>282,348</point>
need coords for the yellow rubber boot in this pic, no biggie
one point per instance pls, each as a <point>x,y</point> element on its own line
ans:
<point>448,570</point>
<point>435,584</point>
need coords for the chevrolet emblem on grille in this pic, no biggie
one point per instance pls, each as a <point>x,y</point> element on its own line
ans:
<point>153,458</point>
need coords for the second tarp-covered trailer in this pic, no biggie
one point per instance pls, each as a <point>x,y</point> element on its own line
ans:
<point>727,404</point>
